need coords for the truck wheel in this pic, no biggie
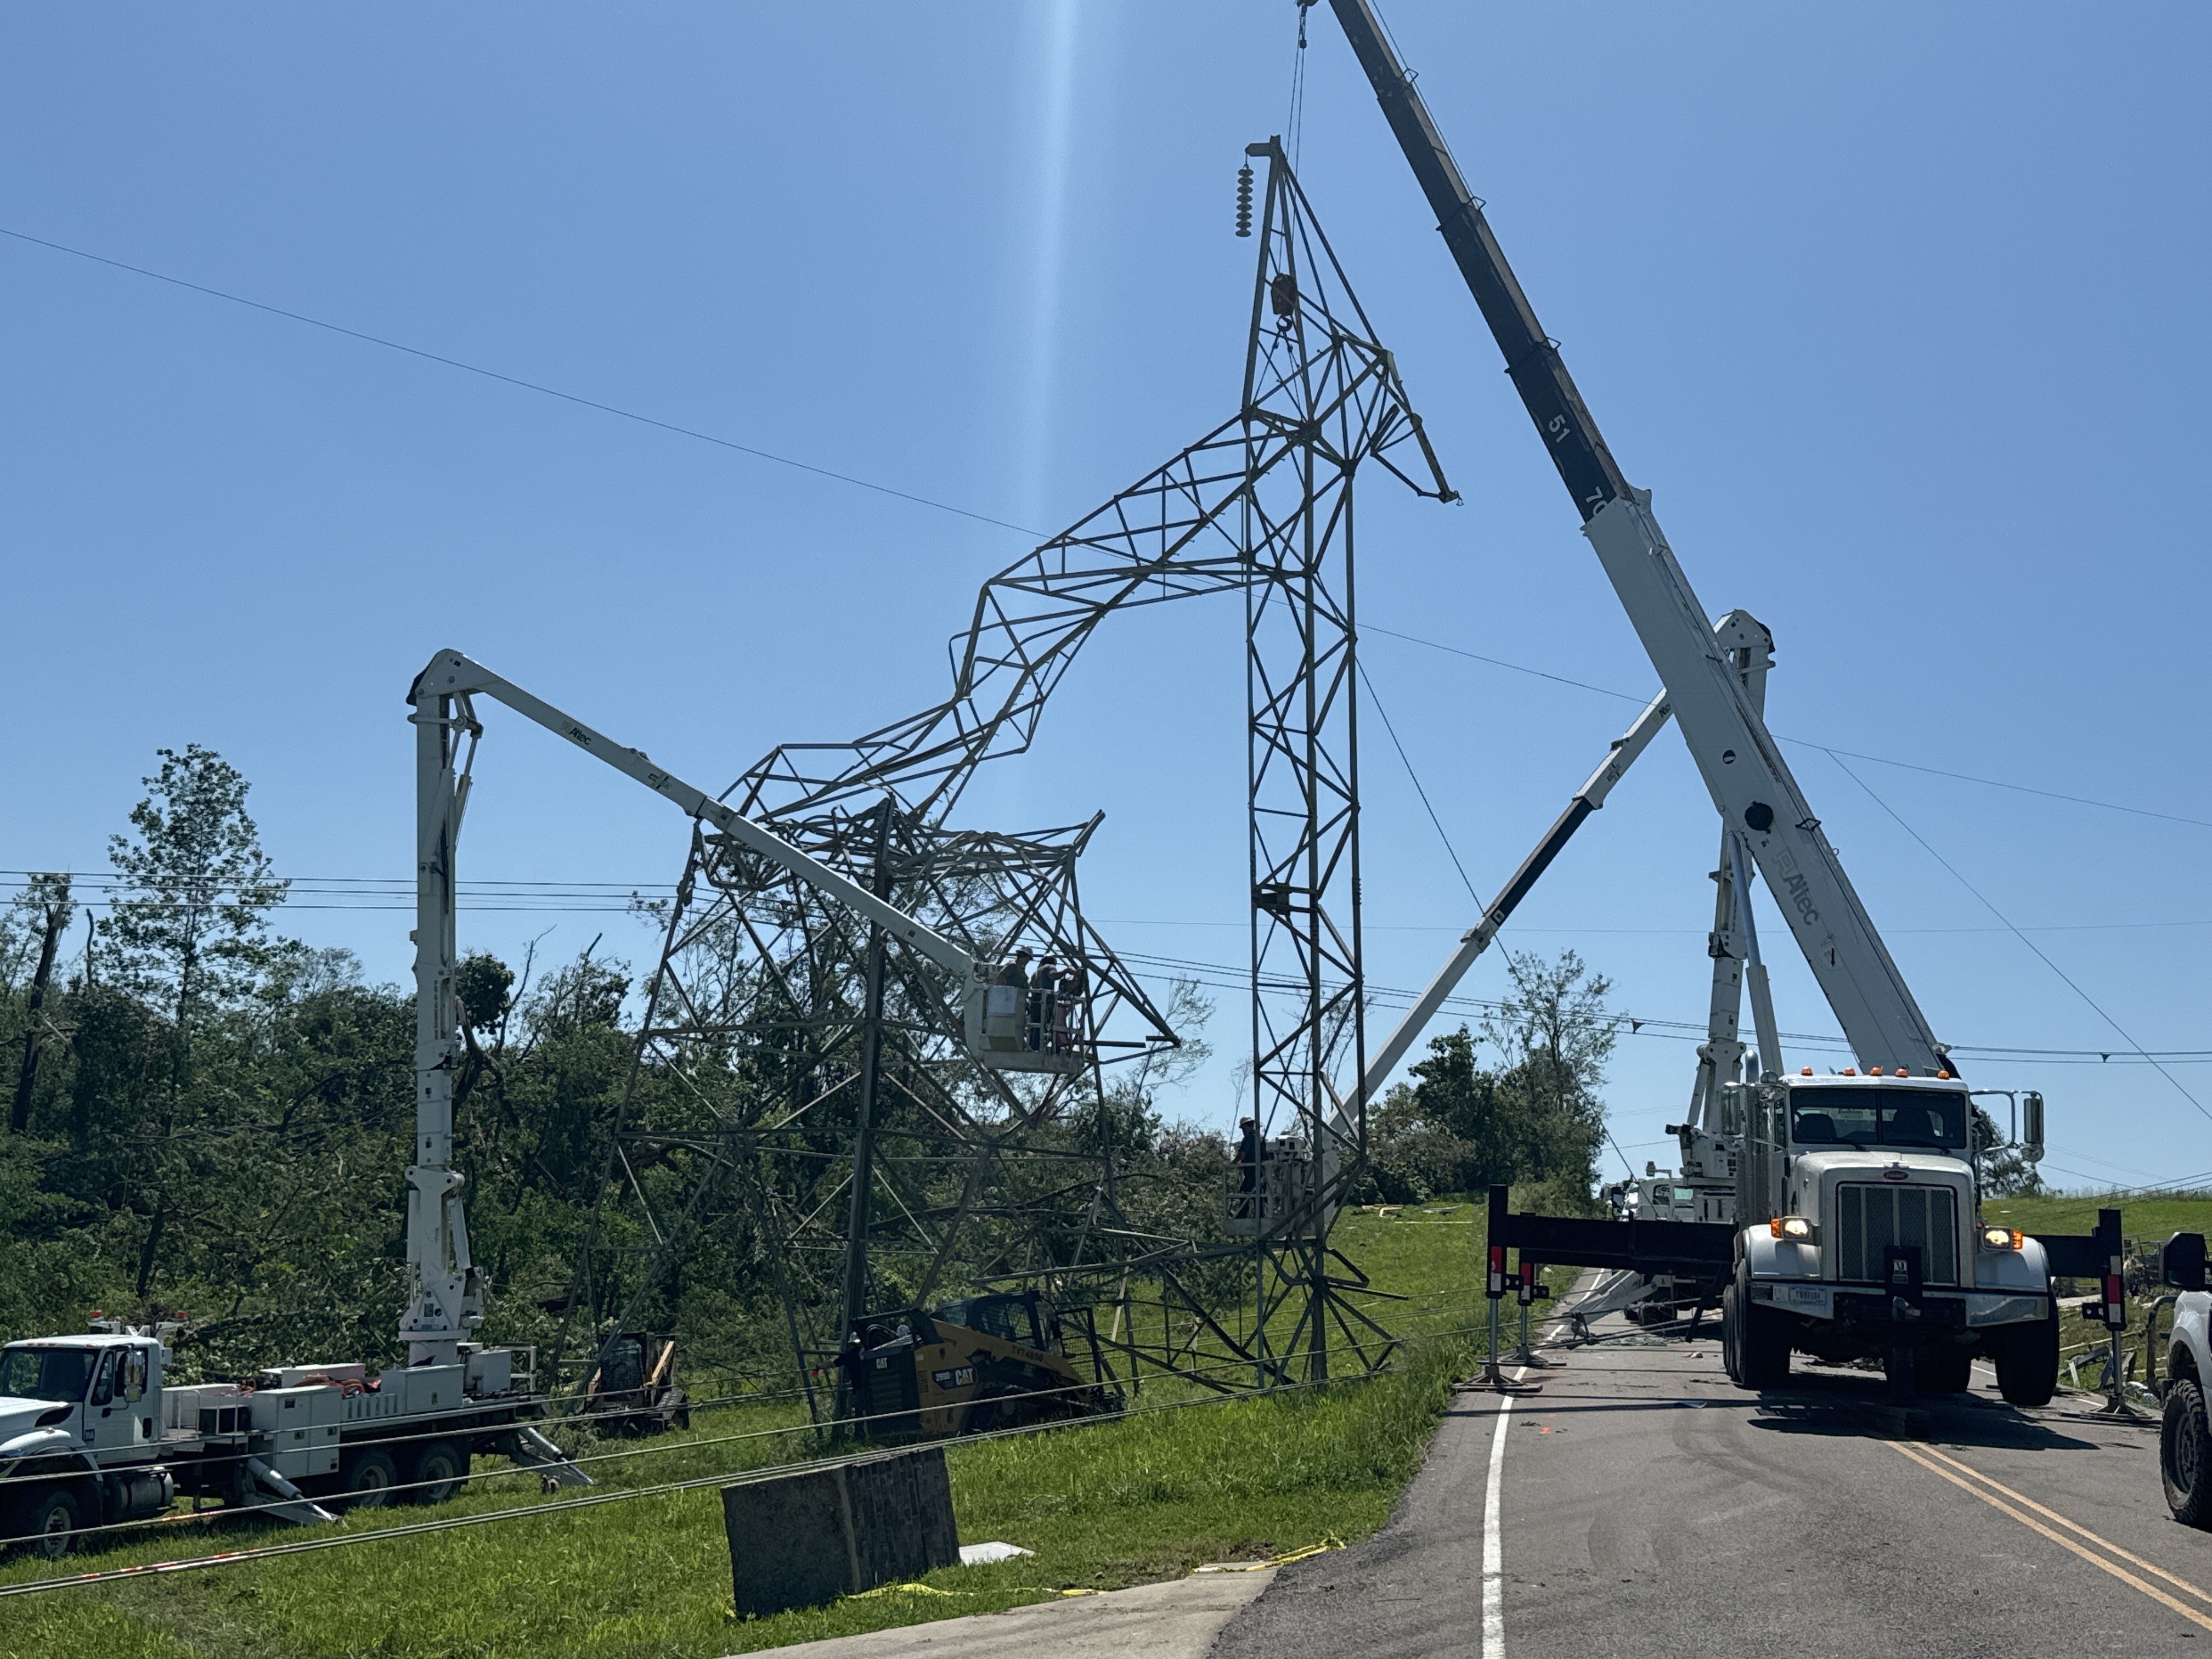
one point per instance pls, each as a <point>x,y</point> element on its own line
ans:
<point>1943,1373</point>
<point>439,1468</point>
<point>1761,1358</point>
<point>370,1474</point>
<point>48,1519</point>
<point>2185,1455</point>
<point>1766,1348</point>
<point>1732,1336</point>
<point>2027,1363</point>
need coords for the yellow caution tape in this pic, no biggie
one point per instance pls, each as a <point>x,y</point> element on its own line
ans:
<point>1322,1548</point>
<point>908,1590</point>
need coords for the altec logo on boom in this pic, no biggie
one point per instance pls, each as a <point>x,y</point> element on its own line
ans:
<point>1795,887</point>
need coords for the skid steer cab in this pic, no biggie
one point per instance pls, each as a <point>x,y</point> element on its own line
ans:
<point>633,1389</point>
<point>967,1367</point>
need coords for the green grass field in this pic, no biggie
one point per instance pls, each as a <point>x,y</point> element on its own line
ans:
<point>2144,1220</point>
<point>1181,1481</point>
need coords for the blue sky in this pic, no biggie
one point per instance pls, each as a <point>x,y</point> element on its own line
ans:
<point>1898,310</point>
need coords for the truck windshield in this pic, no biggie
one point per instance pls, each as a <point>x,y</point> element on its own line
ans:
<point>56,1374</point>
<point>1878,1117</point>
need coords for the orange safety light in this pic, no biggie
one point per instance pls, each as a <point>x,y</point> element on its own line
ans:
<point>1942,1076</point>
<point>1848,1072</point>
<point>1804,1071</point>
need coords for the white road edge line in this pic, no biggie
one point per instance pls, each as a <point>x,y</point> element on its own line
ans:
<point>1494,1545</point>
<point>1493,1550</point>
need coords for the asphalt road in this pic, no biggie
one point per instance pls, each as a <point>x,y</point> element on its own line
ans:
<point>1649,1507</point>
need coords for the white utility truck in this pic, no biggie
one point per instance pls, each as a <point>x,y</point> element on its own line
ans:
<point>1871,1242</point>
<point>2184,1434</point>
<point>92,1435</point>
<point>1855,1225</point>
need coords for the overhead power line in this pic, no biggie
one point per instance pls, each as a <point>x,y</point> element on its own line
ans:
<point>2094,1006</point>
<point>516,380</point>
<point>1802,743</point>
<point>934,505</point>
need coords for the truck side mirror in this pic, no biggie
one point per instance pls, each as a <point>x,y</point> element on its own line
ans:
<point>2030,1126</point>
<point>2181,1262</point>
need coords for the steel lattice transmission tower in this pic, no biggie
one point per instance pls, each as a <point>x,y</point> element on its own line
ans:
<point>1321,396</point>
<point>770,1008</point>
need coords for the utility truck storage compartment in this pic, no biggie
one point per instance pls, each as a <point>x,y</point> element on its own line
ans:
<point>278,1410</point>
<point>206,1408</point>
<point>490,1371</point>
<point>302,1426</point>
<point>430,1388</point>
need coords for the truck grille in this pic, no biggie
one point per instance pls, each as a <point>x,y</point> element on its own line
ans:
<point>1873,1218</point>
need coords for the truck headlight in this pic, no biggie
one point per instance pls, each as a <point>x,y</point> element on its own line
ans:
<point>1795,1229</point>
<point>2002,1238</point>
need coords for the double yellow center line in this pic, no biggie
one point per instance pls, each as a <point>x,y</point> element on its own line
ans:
<point>2097,1552</point>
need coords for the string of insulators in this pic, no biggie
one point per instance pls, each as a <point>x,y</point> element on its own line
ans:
<point>1244,201</point>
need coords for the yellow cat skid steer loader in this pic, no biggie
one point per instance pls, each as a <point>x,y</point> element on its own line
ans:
<point>984,1363</point>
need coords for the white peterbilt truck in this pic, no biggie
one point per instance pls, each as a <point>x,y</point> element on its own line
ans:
<point>1865,1239</point>
<point>92,1435</point>
<point>1856,1225</point>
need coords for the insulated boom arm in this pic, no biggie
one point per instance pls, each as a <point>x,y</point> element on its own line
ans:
<point>452,674</point>
<point>1737,756</point>
<point>447,1299</point>
<point>1473,943</point>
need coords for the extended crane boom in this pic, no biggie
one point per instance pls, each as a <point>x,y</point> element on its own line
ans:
<point>447,1304</point>
<point>1737,756</point>
<point>1473,942</point>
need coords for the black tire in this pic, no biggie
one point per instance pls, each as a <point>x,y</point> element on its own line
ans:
<point>441,1468</point>
<point>1766,1348</point>
<point>367,1478</point>
<point>49,1519</point>
<point>1732,1336</point>
<point>1943,1373</point>
<point>2185,1453</point>
<point>1762,1340</point>
<point>2028,1362</point>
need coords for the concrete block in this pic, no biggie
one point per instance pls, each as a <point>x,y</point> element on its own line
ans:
<point>801,1540</point>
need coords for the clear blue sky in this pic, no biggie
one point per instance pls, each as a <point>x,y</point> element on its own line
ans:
<point>1898,310</point>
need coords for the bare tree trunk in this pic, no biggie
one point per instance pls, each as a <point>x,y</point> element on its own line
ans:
<point>19,1115</point>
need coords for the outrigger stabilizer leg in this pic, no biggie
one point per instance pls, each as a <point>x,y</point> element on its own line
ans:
<point>1492,1375</point>
<point>1532,1291</point>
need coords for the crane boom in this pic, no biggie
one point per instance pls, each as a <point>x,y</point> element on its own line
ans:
<point>1473,942</point>
<point>1735,754</point>
<point>446,1304</point>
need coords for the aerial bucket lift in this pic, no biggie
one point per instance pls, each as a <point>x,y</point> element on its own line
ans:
<point>998,1026</point>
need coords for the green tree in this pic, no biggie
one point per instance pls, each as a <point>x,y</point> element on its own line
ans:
<point>2005,1173</point>
<point>192,935</point>
<point>1534,1117</point>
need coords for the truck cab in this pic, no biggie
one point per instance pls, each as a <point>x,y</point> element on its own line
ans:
<point>1864,1239</point>
<point>79,1436</point>
<point>94,1394</point>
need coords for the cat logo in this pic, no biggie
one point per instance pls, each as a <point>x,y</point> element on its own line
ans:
<point>959,1377</point>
